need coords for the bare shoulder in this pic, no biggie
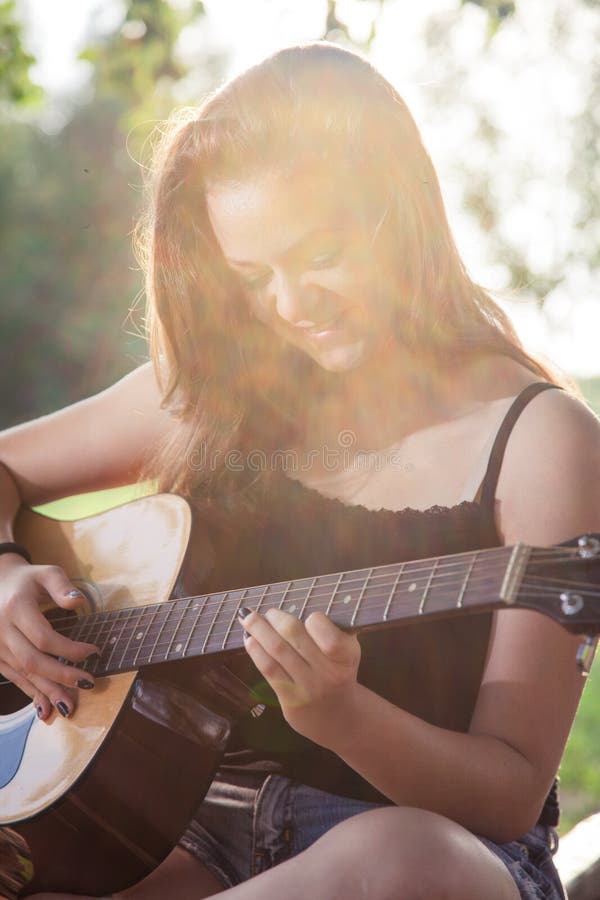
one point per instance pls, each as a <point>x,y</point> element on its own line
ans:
<point>99,442</point>
<point>492,377</point>
<point>549,485</point>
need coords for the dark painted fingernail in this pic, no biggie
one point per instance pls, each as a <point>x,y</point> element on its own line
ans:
<point>243,611</point>
<point>63,709</point>
<point>85,684</point>
<point>39,712</point>
<point>247,635</point>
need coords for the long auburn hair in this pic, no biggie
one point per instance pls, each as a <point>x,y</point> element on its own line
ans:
<point>224,375</point>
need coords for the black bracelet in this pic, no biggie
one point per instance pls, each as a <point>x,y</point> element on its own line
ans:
<point>11,547</point>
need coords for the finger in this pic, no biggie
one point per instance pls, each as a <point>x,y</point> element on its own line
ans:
<point>55,582</point>
<point>35,663</point>
<point>275,674</point>
<point>337,645</point>
<point>43,706</point>
<point>39,631</point>
<point>279,636</point>
<point>42,703</point>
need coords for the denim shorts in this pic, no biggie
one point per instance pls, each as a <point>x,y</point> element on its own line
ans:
<point>250,821</point>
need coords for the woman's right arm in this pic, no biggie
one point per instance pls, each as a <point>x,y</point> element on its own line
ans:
<point>97,443</point>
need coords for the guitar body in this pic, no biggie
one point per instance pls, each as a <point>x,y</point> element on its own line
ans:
<point>97,828</point>
<point>92,803</point>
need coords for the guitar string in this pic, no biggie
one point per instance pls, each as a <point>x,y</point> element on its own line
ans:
<point>161,646</point>
<point>220,605</point>
<point>530,591</point>
<point>319,592</point>
<point>222,599</point>
<point>380,571</point>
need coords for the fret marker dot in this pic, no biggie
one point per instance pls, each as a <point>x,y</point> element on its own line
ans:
<point>292,608</point>
<point>112,640</point>
<point>413,586</point>
<point>139,635</point>
<point>347,598</point>
<point>178,648</point>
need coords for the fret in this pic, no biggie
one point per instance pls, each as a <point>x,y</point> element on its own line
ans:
<point>333,593</point>
<point>339,606</point>
<point>81,628</point>
<point>463,586</point>
<point>253,596</point>
<point>408,586</point>
<point>392,592</point>
<point>307,598</point>
<point>179,639</point>
<point>122,618</point>
<point>286,591</point>
<point>98,631</point>
<point>427,586</point>
<point>214,620</point>
<point>136,636</point>
<point>166,635</point>
<point>200,607</point>
<point>234,618</point>
<point>359,601</point>
<point>261,599</point>
<point>294,595</point>
<point>162,618</point>
<point>142,644</point>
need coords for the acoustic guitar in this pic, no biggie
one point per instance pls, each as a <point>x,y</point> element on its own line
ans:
<point>92,803</point>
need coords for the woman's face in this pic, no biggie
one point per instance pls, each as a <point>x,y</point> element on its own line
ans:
<point>304,249</point>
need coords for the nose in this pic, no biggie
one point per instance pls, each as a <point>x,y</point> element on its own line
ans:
<point>292,300</point>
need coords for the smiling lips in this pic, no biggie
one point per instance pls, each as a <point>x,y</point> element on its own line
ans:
<point>325,327</point>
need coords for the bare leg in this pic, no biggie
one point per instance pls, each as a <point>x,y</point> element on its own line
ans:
<point>181,875</point>
<point>387,854</point>
<point>395,853</point>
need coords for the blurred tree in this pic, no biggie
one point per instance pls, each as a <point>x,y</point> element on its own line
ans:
<point>336,29</point>
<point>498,180</point>
<point>68,272</point>
<point>15,84</point>
<point>65,217</point>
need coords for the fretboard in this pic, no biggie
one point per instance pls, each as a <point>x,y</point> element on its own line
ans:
<point>364,598</point>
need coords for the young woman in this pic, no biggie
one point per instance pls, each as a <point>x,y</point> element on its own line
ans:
<point>307,304</point>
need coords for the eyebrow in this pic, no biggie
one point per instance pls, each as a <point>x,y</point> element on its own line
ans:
<point>293,248</point>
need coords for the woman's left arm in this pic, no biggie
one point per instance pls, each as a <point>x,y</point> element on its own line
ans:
<point>494,779</point>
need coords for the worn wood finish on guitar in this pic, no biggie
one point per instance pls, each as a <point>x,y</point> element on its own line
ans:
<point>98,833</point>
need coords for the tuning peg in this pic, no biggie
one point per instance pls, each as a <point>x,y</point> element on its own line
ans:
<point>585,654</point>
<point>588,546</point>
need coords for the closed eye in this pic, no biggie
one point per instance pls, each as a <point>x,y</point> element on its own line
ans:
<point>324,260</point>
<point>259,280</point>
<point>255,282</point>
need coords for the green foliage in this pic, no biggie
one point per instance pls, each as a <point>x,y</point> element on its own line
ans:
<point>68,204</point>
<point>15,84</point>
<point>580,767</point>
<point>67,269</point>
<point>138,62</point>
<point>498,12</point>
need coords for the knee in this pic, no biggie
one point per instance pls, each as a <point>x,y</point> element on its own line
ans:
<point>404,852</point>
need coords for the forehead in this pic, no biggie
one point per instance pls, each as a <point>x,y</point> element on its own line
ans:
<point>260,218</point>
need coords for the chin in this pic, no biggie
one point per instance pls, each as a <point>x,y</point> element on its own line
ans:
<point>342,359</point>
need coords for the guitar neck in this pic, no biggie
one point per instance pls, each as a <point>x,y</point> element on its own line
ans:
<point>365,598</point>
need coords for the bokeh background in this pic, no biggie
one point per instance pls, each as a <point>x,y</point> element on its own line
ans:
<point>507,95</point>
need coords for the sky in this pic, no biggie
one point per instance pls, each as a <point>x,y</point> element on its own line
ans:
<point>529,78</point>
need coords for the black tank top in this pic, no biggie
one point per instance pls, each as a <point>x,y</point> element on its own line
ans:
<point>432,669</point>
